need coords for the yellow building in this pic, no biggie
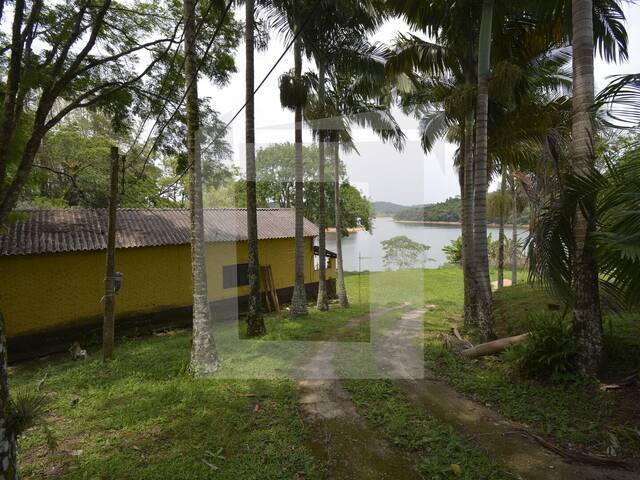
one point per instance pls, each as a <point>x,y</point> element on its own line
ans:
<point>52,266</point>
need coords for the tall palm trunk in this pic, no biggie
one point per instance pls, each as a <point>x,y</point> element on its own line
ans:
<point>503,188</point>
<point>514,232</point>
<point>204,356</point>
<point>255,321</point>
<point>323,302</point>
<point>342,289</point>
<point>299,299</point>
<point>481,256</point>
<point>587,320</point>
<point>470,288</point>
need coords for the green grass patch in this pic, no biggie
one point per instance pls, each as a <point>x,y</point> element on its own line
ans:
<point>317,325</point>
<point>140,416</point>
<point>439,451</point>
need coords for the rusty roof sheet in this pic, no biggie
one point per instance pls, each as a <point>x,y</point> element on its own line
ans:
<point>71,230</point>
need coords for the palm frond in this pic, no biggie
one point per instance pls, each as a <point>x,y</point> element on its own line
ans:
<point>622,100</point>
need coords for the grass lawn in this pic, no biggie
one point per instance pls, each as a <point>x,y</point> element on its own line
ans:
<point>142,417</point>
<point>574,414</point>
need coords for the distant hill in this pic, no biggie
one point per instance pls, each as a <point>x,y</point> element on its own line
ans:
<point>447,211</point>
<point>383,209</point>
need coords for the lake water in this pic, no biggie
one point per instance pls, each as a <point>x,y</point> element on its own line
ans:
<point>365,247</point>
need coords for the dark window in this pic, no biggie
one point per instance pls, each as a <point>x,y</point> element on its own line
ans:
<point>235,275</point>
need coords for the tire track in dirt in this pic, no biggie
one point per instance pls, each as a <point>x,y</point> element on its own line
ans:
<point>493,434</point>
<point>346,446</point>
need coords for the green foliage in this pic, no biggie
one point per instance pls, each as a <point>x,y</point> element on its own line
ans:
<point>549,353</point>
<point>275,172</point>
<point>294,91</point>
<point>453,251</point>
<point>387,208</point>
<point>402,252</point>
<point>447,211</point>
<point>610,196</point>
<point>27,407</point>
<point>451,211</point>
<point>493,248</point>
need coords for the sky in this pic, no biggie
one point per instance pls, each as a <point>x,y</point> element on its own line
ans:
<point>408,177</point>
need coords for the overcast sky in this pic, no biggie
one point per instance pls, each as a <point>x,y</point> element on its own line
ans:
<point>407,177</point>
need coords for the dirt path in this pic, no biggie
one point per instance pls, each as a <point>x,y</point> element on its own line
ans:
<point>492,433</point>
<point>345,444</point>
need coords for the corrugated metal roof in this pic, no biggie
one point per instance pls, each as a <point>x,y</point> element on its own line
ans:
<point>70,229</point>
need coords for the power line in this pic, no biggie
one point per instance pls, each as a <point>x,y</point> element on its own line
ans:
<point>188,86</point>
<point>223,130</point>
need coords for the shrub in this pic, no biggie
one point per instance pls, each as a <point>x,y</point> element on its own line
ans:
<point>453,251</point>
<point>549,353</point>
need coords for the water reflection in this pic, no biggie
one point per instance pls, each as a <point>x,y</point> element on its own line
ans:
<point>365,249</point>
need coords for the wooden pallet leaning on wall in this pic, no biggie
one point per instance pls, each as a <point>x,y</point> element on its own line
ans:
<point>269,286</point>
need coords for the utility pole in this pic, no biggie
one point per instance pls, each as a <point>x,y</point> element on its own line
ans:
<point>109,278</point>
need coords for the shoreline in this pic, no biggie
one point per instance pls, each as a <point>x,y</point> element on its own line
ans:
<point>452,224</point>
<point>350,230</point>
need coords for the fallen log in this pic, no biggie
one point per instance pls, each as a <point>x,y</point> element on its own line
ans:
<point>494,346</point>
<point>579,457</point>
<point>454,341</point>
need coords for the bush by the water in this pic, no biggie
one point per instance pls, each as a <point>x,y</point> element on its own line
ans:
<point>549,353</point>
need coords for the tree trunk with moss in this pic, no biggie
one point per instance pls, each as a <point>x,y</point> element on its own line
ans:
<point>501,237</point>
<point>323,301</point>
<point>470,288</point>
<point>343,299</point>
<point>204,356</point>
<point>8,465</point>
<point>514,232</point>
<point>587,319</point>
<point>481,256</point>
<point>299,299</point>
<point>255,320</point>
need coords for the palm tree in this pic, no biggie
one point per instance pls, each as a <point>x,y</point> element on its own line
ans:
<point>497,208</point>
<point>339,27</point>
<point>353,99</point>
<point>288,17</point>
<point>480,255</point>
<point>293,95</point>
<point>255,320</point>
<point>587,318</point>
<point>204,356</point>
<point>341,288</point>
<point>514,232</point>
<point>323,299</point>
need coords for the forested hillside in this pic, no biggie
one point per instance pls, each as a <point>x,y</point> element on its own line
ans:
<point>448,211</point>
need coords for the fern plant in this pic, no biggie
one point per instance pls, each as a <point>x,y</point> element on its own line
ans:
<point>549,353</point>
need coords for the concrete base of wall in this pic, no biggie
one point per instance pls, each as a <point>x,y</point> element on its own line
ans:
<point>89,332</point>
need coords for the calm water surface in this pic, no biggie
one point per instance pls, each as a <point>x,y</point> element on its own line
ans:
<point>365,248</point>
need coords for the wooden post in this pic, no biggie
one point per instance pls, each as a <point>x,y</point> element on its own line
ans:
<point>109,279</point>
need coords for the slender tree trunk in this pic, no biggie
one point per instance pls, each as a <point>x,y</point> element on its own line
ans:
<point>9,114</point>
<point>204,356</point>
<point>587,320</point>
<point>108,325</point>
<point>255,321</point>
<point>481,256</point>
<point>8,465</point>
<point>323,302</point>
<point>514,233</point>
<point>503,188</point>
<point>470,287</point>
<point>343,299</point>
<point>299,299</point>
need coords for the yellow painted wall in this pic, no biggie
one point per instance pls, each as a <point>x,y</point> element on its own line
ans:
<point>38,292</point>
